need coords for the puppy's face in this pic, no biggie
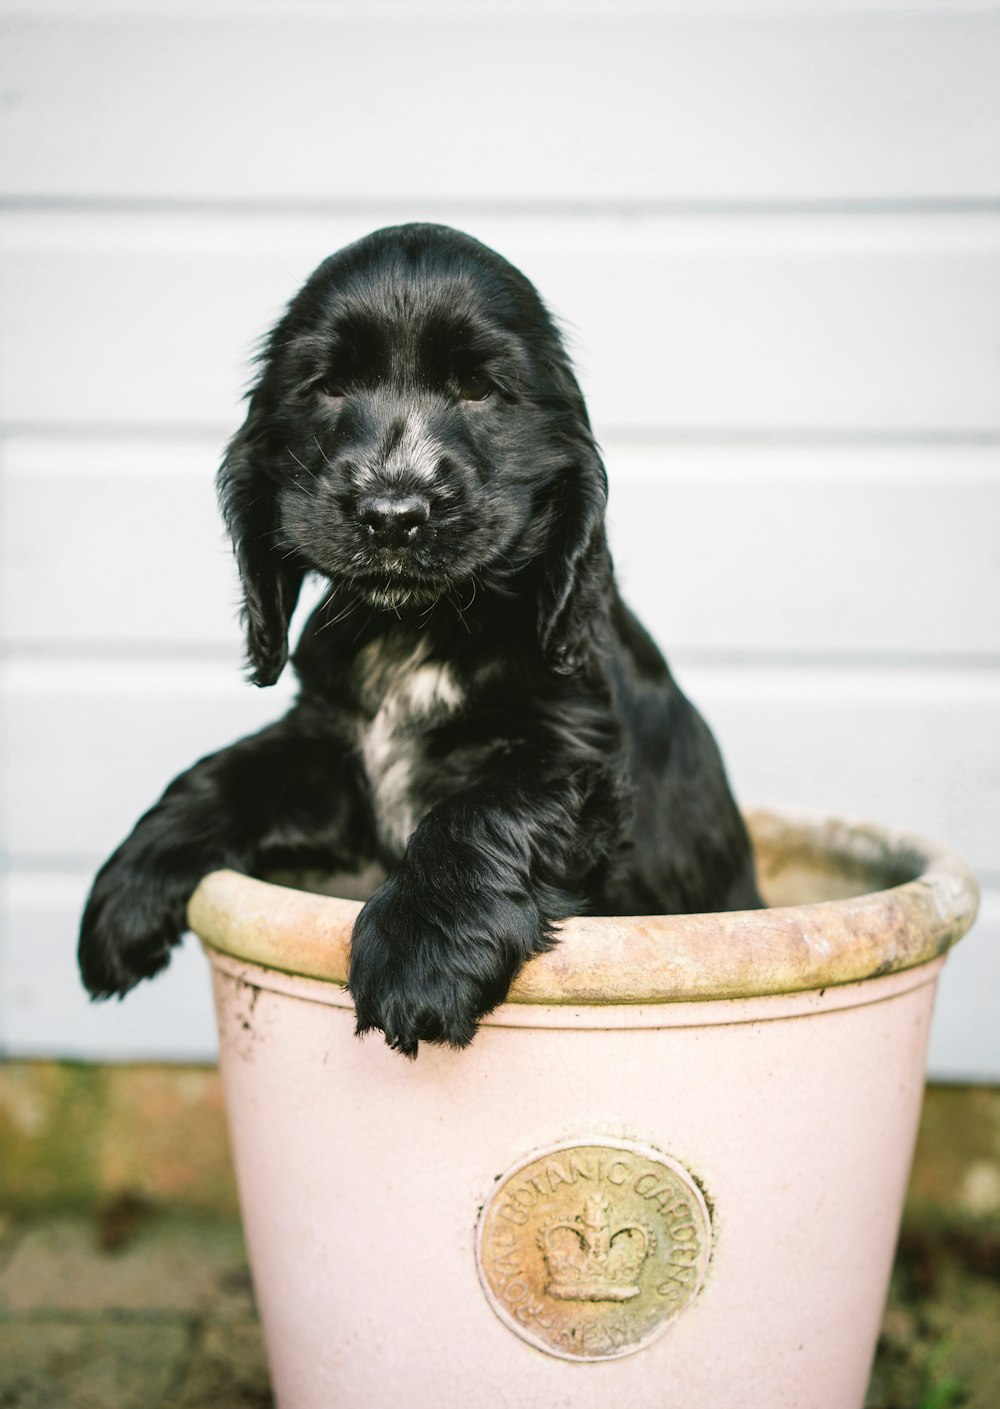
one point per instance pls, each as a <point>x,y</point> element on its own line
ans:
<point>420,432</point>
<point>416,428</point>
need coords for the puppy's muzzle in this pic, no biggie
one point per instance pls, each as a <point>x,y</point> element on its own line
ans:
<point>393,521</point>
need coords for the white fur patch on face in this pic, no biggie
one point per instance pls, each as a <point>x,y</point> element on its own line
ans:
<point>403,695</point>
<point>415,456</point>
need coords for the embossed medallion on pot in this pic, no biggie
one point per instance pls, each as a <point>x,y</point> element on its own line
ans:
<point>589,1251</point>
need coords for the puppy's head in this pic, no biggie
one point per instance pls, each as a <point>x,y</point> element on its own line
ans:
<point>416,428</point>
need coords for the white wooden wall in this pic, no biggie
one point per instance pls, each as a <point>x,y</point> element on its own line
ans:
<point>773,233</point>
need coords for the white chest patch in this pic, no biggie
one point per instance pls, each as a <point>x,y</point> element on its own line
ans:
<point>403,695</point>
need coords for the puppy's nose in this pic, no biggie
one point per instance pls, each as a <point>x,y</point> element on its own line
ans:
<point>392,522</point>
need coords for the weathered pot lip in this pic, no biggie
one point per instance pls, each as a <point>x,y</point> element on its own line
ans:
<point>661,958</point>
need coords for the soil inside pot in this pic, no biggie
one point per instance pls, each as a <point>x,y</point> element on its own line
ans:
<point>794,868</point>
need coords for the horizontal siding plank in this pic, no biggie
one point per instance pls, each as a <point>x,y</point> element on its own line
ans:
<point>891,550</point>
<point>919,748</point>
<point>864,326</point>
<point>75,782</point>
<point>736,549</point>
<point>115,543</point>
<point>44,1011</point>
<point>778,104</point>
<point>965,1042</point>
<point>92,745</point>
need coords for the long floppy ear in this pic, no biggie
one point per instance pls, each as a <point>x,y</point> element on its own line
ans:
<point>577,566</point>
<point>271,583</point>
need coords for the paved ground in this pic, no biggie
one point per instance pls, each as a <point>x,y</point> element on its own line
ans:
<point>135,1309</point>
<point>128,1310</point>
<point>940,1344</point>
<point>141,1299</point>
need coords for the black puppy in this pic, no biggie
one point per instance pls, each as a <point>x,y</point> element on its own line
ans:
<point>479,712</point>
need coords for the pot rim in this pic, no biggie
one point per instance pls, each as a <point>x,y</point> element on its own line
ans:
<point>925,899</point>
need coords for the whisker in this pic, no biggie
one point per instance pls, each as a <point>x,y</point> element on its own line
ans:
<point>363,627</point>
<point>341,615</point>
<point>301,466</point>
<point>353,603</point>
<point>279,543</point>
<point>458,609</point>
<point>322,452</point>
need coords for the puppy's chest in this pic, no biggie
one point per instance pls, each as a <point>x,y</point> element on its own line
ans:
<point>403,697</point>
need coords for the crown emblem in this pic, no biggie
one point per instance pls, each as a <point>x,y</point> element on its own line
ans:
<point>590,1259</point>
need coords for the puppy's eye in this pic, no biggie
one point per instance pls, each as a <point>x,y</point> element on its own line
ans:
<point>334,390</point>
<point>474,387</point>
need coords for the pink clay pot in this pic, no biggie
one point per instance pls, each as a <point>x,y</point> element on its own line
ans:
<point>669,1171</point>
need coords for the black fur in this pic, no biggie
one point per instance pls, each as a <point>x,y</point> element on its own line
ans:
<point>479,712</point>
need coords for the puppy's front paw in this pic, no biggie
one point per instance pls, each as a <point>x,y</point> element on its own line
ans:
<point>421,973</point>
<point>129,926</point>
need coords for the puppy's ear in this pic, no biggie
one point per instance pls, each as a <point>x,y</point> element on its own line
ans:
<point>271,583</point>
<point>576,566</point>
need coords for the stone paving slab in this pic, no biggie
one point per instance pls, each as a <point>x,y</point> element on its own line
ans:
<point>120,1310</point>
<point>99,1313</point>
<point>90,1365</point>
<point>227,1370</point>
<point>142,1363</point>
<point>940,1342</point>
<point>171,1265</point>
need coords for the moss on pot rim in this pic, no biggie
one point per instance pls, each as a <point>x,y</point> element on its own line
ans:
<point>849,901</point>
